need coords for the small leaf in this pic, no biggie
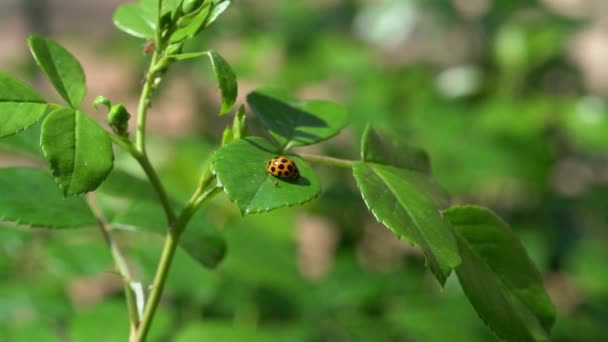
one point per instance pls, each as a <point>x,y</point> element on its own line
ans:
<point>240,167</point>
<point>294,122</point>
<point>239,125</point>
<point>29,196</point>
<point>400,200</point>
<point>499,278</point>
<point>20,105</point>
<point>61,68</point>
<point>226,79</point>
<point>190,25</point>
<point>387,148</point>
<point>219,7</point>
<point>134,20</point>
<point>203,242</point>
<point>78,150</point>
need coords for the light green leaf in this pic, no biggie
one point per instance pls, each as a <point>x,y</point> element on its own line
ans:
<point>240,168</point>
<point>136,19</point>
<point>61,68</point>
<point>226,80</point>
<point>20,105</point>
<point>390,149</point>
<point>295,122</point>
<point>219,7</point>
<point>400,199</point>
<point>29,196</point>
<point>499,278</point>
<point>78,150</point>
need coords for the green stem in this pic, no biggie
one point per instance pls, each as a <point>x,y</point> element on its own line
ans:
<point>328,160</point>
<point>145,164</point>
<point>157,185</point>
<point>121,264</point>
<point>171,243</point>
<point>144,105</point>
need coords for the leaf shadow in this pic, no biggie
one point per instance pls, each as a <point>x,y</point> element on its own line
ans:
<point>285,119</point>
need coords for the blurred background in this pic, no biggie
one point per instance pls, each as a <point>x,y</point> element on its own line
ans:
<point>508,98</point>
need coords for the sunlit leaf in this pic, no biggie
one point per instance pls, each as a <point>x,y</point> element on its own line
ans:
<point>20,105</point>
<point>78,150</point>
<point>400,200</point>
<point>61,67</point>
<point>241,169</point>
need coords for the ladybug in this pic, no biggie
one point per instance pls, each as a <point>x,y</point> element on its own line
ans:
<point>283,167</point>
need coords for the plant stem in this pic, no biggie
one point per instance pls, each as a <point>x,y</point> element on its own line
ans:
<point>121,264</point>
<point>157,185</point>
<point>166,258</point>
<point>144,105</point>
<point>328,160</point>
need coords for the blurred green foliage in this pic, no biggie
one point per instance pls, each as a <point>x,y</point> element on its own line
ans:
<point>493,99</point>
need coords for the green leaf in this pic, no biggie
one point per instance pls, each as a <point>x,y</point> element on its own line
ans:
<point>400,199</point>
<point>200,240</point>
<point>61,68</point>
<point>20,105</point>
<point>219,7</point>
<point>387,148</point>
<point>499,278</point>
<point>295,122</point>
<point>29,196</point>
<point>191,24</point>
<point>26,142</point>
<point>203,242</point>
<point>78,150</point>
<point>122,184</point>
<point>241,170</point>
<point>134,20</point>
<point>226,80</point>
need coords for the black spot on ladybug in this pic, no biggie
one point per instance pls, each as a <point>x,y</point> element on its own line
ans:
<point>284,160</point>
<point>281,166</point>
<point>290,167</point>
<point>286,173</point>
<point>273,169</point>
<point>280,173</point>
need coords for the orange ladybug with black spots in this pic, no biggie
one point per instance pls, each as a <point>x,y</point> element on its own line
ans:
<point>283,167</point>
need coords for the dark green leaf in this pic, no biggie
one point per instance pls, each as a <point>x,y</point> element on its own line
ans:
<point>241,169</point>
<point>226,80</point>
<point>387,148</point>
<point>20,105</point>
<point>400,199</point>
<point>200,240</point>
<point>78,150</point>
<point>295,122</point>
<point>134,20</point>
<point>29,196</point>
<point>61,67</point>
<point>122,184</point>
<point>203,242</point>
<point>499,278</point>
